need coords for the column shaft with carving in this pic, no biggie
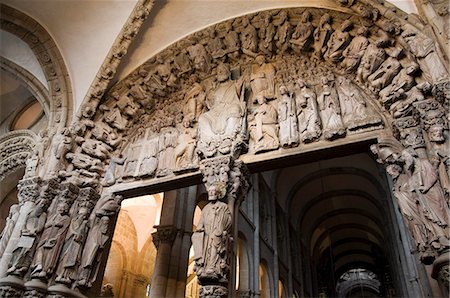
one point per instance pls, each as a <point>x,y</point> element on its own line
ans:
<point>226,182</point>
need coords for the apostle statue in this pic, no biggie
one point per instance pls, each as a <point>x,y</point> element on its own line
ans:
<point>95,243</point>
<point>9,227</point>
<point>211,240</point>
<point>51,242</point>
<point>73,247</point>
<point>34,224</point>
<point>262,78</point>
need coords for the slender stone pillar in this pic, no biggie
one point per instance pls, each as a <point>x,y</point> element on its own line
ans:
<point>163,239</point>
<point>226,182</point>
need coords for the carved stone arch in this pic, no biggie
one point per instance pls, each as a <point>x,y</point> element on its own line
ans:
<point>15,147</point>
<point>136,125</point>
<point>35,87</point>
<point>60,104</point>
<point>153,101</point>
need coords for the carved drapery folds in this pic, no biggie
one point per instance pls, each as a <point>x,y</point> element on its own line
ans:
<point>339,65</point>
<point>225,180</point>
<point>62,241</point>
<point>417,166</point>
<point>266,82</point>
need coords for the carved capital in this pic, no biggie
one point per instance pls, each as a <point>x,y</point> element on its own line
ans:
<point>164,234</point>
<point>28,189</point>
<point>10,292</point>
<point>228,176</point>
<point>441,92</point>
<point>409,132</point>
<point>88,197</point>
<point>11,287</point>
<point>213,291</point>
<point>431,113</point>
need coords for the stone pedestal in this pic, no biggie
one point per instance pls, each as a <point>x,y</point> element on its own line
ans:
<point>11,287</point>
<point>64,291</point>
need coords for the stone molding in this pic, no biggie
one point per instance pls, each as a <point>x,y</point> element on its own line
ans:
<point>50,59</point>
<point>116,53</point>
<point>35,87</point>
<point>15,147</point>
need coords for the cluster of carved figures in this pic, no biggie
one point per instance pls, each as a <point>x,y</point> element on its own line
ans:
<point>63,236</point>
<point>269,81</point>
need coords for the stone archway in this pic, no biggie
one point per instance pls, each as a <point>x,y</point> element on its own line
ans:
<point>272,86</point>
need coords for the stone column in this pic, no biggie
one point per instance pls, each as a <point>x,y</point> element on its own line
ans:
<point>226,182</point>
<point>163,239</point>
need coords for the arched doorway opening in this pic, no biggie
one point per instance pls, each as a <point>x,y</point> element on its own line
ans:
<point>132,255</point>
<point>345,219</point>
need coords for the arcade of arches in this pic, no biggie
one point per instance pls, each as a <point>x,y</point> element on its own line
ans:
<point>280,150</point>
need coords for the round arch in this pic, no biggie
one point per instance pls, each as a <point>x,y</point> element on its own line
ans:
<point>158,88</point>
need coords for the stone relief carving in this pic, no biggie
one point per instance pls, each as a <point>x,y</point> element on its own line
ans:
<point>16,148</point>
<point>338,42</point>
<point>226,182</point>
<point>67,270</point>
<point>356,113</point>
<point>185,157</point>
<point>262,79</point>
<point>263,127</point>
<point>212,237</point>
<point>321,36</point>
<point>267,32</point>
<point>284,32</point>
<point>371,60</point>
<point>97,239</point>
<point>287,119</point>
<point>52,238</point>
<point>62,143</point>
<point>330,110</point>
<point>222,124</point>
<point>398,162</point>
<point>424,50</point>
<point>434,122</point>
<point>307,113</point>
<point>362,49</point>
<point>384,75</point>
<point>34,225</point>
<point>303,36</point>
<point>401,84</point>
<point>9,227</point>
<point>355,50</point>
<point>249,38</point>
<point>150,100</point>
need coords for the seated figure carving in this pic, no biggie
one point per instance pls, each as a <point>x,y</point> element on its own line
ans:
<point>221,125</point>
